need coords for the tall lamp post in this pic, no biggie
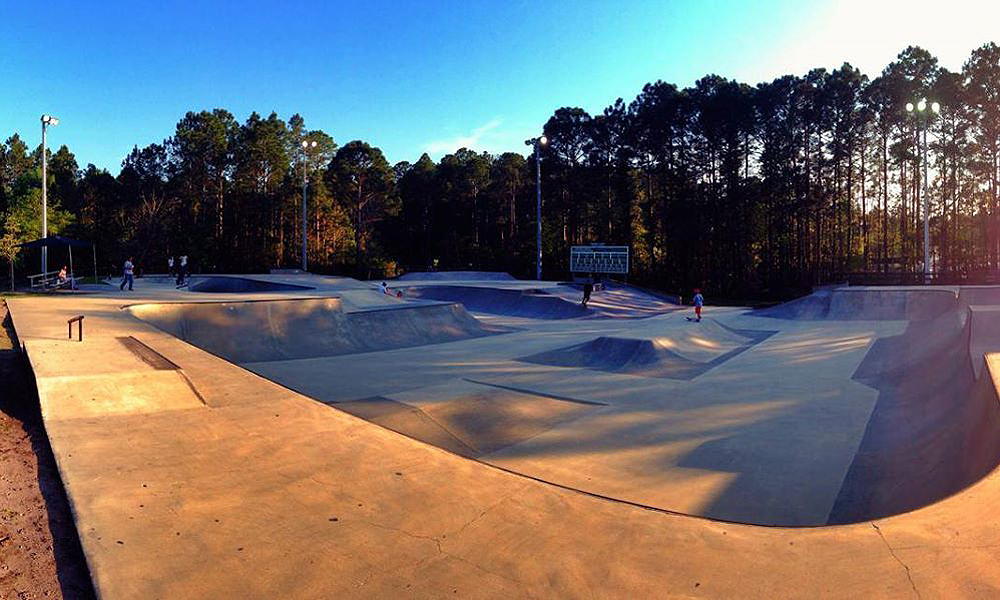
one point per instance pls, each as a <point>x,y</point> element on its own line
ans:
<point>537,143</point>
<point>924,118</point>
<point>47,120</point>
<point>306,145</point>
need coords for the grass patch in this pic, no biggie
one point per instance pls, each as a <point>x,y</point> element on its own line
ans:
<point>7,514</point>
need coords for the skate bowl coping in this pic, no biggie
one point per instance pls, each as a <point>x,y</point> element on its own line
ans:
<point>287,329</point>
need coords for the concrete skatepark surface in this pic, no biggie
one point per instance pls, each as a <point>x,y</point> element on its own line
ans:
<point>239,285</point>
<point>455,276</point>
<point>305,328</point>
<point>535,479</point>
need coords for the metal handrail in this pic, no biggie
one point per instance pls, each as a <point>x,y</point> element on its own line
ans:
<point>77,319</point>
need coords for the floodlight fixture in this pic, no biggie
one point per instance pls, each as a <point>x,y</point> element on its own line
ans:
<point>535,143</point>
<point>921,132</point>
<point>47,121</point>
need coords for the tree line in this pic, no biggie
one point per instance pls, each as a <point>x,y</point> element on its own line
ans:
<point>747,191</point>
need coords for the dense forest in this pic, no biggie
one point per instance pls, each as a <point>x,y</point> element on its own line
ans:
<point>747,191</point>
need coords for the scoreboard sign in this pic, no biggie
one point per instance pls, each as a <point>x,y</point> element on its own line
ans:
<point>599,259</point>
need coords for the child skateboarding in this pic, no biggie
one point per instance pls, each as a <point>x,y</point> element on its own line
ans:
<point>698,302</point>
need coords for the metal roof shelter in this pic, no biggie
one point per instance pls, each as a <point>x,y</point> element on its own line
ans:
<point>58,240</point>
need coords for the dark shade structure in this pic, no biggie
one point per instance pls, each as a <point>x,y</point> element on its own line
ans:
<point>58,240</point>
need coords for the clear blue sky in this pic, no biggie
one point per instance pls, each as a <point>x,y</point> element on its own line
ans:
<point>420,76</point>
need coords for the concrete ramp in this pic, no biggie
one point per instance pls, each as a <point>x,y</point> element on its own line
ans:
<point>456,276</point>
<point>681,353</point>
<point>241,285</point>
<point>261,331</point>
<point>984,335</point>
<point>867,304</point>
<point>531,304</point>
<point>475,423</point>
<point>935,428</point>
<point>978,295</point>
<point>814,307</point>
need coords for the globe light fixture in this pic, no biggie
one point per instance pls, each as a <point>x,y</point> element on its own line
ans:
<point>936,107</point>
<point>909,107</point>
<point>922,104</point>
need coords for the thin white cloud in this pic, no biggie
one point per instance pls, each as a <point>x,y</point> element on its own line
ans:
<point>476,140</point>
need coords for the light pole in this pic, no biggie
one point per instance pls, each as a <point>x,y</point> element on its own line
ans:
<point>921,106</point>
<point>306,145</point>
<point>47,120</point>
<point>536,143</point>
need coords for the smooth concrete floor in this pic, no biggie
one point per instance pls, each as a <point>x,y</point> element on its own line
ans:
<point>257,491</point>
<point>750,440</point>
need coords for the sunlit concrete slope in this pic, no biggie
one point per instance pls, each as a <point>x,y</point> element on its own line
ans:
<point>303,328</point>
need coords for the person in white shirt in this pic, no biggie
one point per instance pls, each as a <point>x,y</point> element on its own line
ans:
<point>127,275</point>
<point>182,269</point>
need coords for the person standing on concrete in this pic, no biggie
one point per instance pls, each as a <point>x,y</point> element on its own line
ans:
<point>588,288</point>
<point>127,275</point>
<point>699,301</point>
<point>385,288</point>
<point>182,270</point>
<point>170,266</point>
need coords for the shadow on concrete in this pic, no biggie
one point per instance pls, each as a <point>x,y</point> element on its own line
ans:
<point>935,428</point>
<point>20,401</point>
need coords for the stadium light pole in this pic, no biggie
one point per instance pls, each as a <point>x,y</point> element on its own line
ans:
<point>921,106</point>
<point>536,143</point>
<point>306,145</point>
<point>47,120</point>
